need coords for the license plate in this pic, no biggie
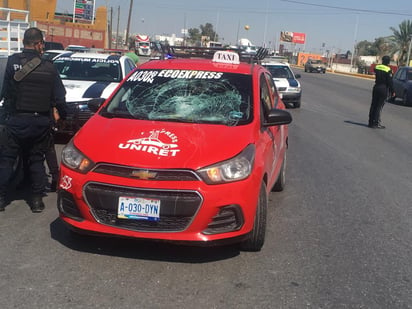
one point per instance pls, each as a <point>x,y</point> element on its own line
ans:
<point>138,208</point>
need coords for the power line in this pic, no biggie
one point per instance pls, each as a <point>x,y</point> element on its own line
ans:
<point>349,9</point>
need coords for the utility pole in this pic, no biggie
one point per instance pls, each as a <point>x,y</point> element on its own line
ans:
<point>110,28</point>
<point>128,24</point>
<point>118,20</point>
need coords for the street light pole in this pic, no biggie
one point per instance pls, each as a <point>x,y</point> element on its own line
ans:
<point>128,24</point>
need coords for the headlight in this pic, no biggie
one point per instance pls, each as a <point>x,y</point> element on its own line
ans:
<point>74,159</point>
<point>294,89</point>
<point>235,169</point>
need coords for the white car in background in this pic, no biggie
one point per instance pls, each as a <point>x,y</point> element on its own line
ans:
<point>88,77</point>
<point>286,82</point>
<point>53,54</point>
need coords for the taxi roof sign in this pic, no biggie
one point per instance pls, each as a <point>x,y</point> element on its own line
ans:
<point>226,57</point>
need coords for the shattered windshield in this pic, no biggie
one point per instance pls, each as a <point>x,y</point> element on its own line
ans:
<point>184,96</point>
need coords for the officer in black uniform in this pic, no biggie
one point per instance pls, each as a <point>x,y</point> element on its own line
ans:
<point>28,102</point>
<point>383,86</point>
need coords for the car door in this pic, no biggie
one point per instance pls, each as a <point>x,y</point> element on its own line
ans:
<point>270,135</point>
<point>399,81</point>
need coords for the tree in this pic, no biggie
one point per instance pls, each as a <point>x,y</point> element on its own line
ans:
<point>366,48</point>
<point>401,39</point>
<point>207,30</point>
<point>383,46</point>
<point>195,35</point>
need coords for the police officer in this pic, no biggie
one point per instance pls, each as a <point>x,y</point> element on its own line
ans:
<point>30,90</point>
<point>383,84</point>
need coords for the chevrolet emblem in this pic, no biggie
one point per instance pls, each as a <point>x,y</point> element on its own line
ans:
<point>143,174</point>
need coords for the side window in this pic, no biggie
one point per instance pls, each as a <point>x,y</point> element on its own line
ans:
<point>399,74</point>
<point>271,84</point>
<point>265,96</point>
<point>403,75</point>
<point>274,92</point>
<point>128,66</point>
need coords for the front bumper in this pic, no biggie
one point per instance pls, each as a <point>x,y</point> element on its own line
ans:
<point>291,97</point>
<point>191,211</point>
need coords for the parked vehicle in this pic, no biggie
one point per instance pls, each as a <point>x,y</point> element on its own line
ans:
<point>185,150</point>
<point>53,54</point>
<point>53,46</point>
<point>402,83</point>
<point>143,45</point>
<point>315,66</point>
<point>286,82</point>
<point>87,77</point>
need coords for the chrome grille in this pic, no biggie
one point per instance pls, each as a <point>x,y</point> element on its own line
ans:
<point>158,175</point>
<point>178,208</point>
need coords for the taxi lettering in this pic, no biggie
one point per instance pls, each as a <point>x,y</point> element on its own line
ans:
<point>185,74</point>
<point>163,152</point>
<point>143,76</point>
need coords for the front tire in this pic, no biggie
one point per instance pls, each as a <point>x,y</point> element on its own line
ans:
<point>281,181</point>
<point>257,235</point>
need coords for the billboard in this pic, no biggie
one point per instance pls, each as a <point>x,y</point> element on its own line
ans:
<point>292,37</point>
<point>84,9</point>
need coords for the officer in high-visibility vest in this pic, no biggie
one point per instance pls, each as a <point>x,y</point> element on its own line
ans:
<point>382,88</point>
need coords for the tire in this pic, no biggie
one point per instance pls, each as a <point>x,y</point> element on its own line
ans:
<point>257,235</point>
<point>281,181</point>
<point>296,104</point>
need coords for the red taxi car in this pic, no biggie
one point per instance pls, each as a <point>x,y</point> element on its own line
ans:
<point>184,150</point>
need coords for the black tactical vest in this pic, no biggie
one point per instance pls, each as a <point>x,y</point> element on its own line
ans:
<point>34,92</point>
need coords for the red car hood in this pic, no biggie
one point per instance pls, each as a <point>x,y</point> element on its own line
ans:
<point>160,144</point>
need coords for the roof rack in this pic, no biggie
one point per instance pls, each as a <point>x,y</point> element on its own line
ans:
<point>172,52</point>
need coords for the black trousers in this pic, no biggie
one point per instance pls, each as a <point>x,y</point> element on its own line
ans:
<point>379,95</point>
<point>27,136</point>
<point>51,159</point>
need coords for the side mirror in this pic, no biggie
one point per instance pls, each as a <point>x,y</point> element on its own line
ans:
<point>94,104</point>
<point>277,117</point>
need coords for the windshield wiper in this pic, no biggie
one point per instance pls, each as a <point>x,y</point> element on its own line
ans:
<point>116,115</point>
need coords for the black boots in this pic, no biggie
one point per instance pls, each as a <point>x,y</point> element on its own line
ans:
<point>36,204</point>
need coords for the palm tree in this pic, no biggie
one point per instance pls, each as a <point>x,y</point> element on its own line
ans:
<point>383,46</point>
<point>401,38</point>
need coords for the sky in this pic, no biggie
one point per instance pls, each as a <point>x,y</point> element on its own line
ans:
<point>328,24</point>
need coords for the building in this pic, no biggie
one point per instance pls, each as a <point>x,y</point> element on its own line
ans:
<point>63,28</point>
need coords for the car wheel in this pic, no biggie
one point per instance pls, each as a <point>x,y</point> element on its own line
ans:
<point>296,104</point>
<point>281,181</point>
<point>257,235</point>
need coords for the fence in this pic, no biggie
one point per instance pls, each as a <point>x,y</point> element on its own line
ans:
<point>13,23</point>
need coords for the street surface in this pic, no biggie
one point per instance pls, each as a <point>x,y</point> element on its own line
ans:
<point>339,236</point>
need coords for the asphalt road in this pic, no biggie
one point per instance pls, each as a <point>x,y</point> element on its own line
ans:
<point>339,236</point>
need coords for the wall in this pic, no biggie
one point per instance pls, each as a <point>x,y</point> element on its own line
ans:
<point>42,12</point>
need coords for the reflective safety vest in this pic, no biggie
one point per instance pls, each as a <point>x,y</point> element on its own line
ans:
<point>382,67</point>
